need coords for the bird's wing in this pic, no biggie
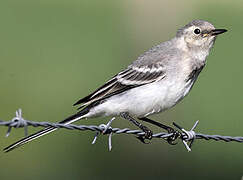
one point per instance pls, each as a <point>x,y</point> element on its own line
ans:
<point>131,77</point>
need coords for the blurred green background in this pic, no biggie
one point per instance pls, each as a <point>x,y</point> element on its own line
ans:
<point>54,52</point>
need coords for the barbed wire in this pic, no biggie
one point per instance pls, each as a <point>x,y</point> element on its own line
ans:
<point>187,137</point>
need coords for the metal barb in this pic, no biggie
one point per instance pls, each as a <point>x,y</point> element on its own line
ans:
<point>18,121</point>
<point>8,131</point>
<point>95,137</point>
<point>189,137</point>
<point>106,129</point>
<point>109,141</point>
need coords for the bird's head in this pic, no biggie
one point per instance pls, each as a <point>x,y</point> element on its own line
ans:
<point>199,35</point>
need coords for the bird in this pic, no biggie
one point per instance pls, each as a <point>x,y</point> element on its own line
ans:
<point>156,81</point>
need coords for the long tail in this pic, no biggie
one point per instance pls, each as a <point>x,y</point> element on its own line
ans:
<point>45,131</point>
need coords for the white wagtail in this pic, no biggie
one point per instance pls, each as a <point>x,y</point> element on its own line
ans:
<point>156,81</point>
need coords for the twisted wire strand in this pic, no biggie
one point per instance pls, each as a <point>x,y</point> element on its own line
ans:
<point>117,130</point>
<point>185,136</point>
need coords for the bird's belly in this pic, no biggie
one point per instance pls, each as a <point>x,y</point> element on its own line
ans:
<point>144,100</point>
<point>175,93</point>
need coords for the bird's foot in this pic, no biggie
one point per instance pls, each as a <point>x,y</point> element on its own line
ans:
<point>172,138</point>
<point>148,134</point>
<point>175,135</point>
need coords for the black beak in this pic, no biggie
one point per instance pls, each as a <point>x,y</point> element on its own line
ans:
<point>218,31</point>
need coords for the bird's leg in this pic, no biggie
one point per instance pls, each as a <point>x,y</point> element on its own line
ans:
<point>167,128</point>
<point>172,138</point>
<point>147,131</point>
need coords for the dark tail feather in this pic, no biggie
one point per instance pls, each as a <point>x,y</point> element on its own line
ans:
<point>45,131</point>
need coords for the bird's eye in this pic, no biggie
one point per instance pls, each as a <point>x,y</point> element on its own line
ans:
<point>197,31</point>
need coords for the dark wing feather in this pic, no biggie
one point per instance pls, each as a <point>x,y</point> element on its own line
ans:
<point>107,86</point>
<point>130,78</point>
